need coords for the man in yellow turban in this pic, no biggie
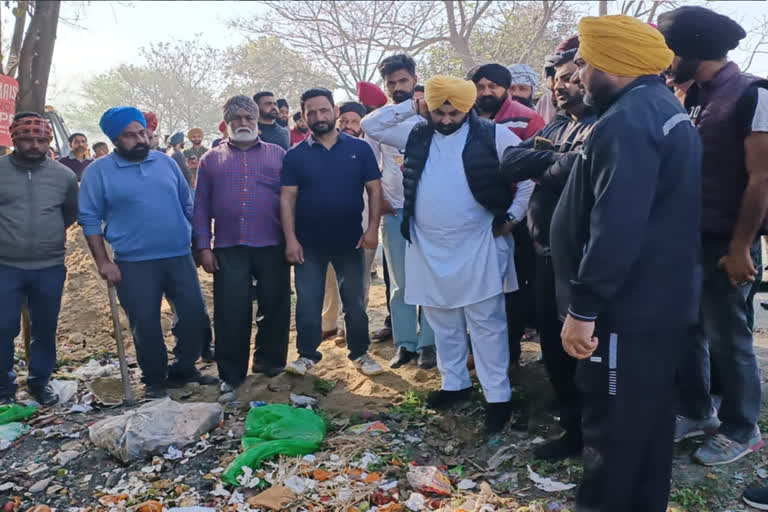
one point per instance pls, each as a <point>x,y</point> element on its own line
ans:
<point>195,136</point>
<point>458,262</point>
<point>625,249</point>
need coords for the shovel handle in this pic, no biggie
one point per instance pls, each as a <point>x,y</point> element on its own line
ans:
<point>127,391</point>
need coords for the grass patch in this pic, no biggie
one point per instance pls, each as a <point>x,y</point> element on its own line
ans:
<point>413,403</point>
<point>688,497</point>
<point>323,386</point>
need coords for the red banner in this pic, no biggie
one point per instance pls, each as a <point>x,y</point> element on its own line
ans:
<point>8,90</point>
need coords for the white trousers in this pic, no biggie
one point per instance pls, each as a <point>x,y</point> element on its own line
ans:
<point>487,322</point>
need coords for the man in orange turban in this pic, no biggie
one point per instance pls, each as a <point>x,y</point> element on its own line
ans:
<point>625,248</point>
<point>458,261</point>
<point>195,136</point>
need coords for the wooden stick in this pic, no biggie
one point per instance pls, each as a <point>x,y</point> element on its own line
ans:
<point>127,392</point>
<point>26,332</point>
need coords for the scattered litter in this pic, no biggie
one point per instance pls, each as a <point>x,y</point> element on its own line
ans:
<point>298,484</point>
<point>65,457</point>
<point>106,390</point>
<point>237,498</point>
<point>309,458</point>
<point>150,506</point>
<point>538,440</point>
<point>65,389</point>
<point>12,431</point>
<point>762,473</point>
<point>41,485</point>
<point>498,458</point>
<point>173,453</point>
<point>275,498</point>
<point>191,509</point>
<point>7,486</point>
<point>466,484</point>
<point>506,482</point>
<point>257,403</point>
<point>412,439</point>
<point>429,479</point>
<point>548,484</point>
<point>388,485</point>
<point>154,427</point>
<point>303,400</point>
<point>4,445</point>
<point>220,491</point>
<point>15,412</point>
<point>248,479</point>
<point>416,502</point>
<point>374,427</point>
<point>80,408</point>
<point>739,477</point>
<point>368,459</point>
<point>94,369</point>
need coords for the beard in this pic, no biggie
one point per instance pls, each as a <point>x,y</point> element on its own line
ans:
<point>525,101</point>
<point>353,133</point>
<point>445,129</point>
<point>303,129</point>
<point>401,96</point>
<point>244,135</point>
<point>282,122</point>
<point>136,154</point>
<point>566,100</point>
<point>490,103</point>
<point>31,156</point>
<point>322,127</point>
<point>686,70</point>
<point>271,115</point>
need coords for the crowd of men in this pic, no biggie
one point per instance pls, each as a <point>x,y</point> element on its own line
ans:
<point>618,218</point>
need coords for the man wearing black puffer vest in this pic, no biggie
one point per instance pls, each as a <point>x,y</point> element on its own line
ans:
<point>459,259</point>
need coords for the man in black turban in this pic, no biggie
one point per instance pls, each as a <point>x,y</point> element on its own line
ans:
<point>284,112</point>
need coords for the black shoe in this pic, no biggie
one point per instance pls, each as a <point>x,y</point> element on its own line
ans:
<point>273,371</point>
<point>203,380</point>
<point>444,399</point>
<point>154,392</point>
<point>7,400</point>
<point>427,358</point>
<point>402,357</point>
<point>764,305</point>
<point>44,396</point>
<point>564,447</point>
<point>208,355</point>
<point>757,498</point>
<point>496,416</point>
<point>382,334</point>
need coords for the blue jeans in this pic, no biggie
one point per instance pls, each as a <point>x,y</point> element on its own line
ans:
<point>42,289</point>
<point>310,290</point>
<point>404,316</point>
<point>723,323</point>
<point>140,292</point>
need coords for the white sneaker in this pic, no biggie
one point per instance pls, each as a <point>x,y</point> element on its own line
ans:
<point>367,365</point>
<point>300,366</point>
<point>228,393</point>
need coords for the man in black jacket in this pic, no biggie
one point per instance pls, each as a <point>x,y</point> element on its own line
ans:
<point>548,158</point>
<point>625,245</point>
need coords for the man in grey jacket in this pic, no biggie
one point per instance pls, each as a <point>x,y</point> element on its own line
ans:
<point>38,201</point>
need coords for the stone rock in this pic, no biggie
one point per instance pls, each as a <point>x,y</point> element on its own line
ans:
<point>41,485</point>
<point>53,489</point>
<point>65,457</point>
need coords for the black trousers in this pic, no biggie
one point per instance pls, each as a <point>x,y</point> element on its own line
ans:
<point>561,367</point>
<point>233,309</point>
<point>386,280</point>
<point>629,419</point>
<point>520,305</point>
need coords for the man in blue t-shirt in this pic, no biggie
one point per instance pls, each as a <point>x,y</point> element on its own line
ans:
<point>321,204</point>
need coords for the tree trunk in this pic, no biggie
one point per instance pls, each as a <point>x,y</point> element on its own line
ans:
<point>36,56</point>
<point>603,8</point>
<point>18,35</point>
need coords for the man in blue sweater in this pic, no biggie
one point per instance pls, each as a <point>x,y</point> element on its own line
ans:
<point>144,203</point>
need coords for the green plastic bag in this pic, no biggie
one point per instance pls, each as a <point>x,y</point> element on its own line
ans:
<point>276,429</point>
<point>15,412</point>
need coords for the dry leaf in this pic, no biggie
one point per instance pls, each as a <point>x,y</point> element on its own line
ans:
<point>150,506</point>
<point>322,475</point>
<point>274,498</point>
<point>372,477</point>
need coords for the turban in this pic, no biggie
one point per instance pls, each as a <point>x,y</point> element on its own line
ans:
<point>151,119</point>
<point>282,102</point>
<point>176,138</point>
<point>116,119</point>
<point>496,73</point>
<point>29,127</point>
<point>523,74</point>
<point>697,33</point>
<point>235,103</point>
<point>195,131</point>
<point>296,116</point>
<point>223,127</point>
<point>371,95</point>
<point>458,92</point>
<point>623,46</point>
<point>352,106</point>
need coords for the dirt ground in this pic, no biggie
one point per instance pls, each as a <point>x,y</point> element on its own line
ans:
<point>345,398</point>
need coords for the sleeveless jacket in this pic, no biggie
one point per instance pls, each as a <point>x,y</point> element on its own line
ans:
<point>481,166</point>
<point>721,110</point>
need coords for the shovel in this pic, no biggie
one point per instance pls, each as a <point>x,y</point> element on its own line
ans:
<point>127,392</point>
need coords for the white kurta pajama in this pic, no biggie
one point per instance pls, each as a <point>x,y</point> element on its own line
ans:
<point>455,268</point>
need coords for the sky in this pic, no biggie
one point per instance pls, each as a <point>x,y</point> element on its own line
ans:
<point>109,33</point>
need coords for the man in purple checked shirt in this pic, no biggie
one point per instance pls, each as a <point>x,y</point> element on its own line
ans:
<point>238,185</point>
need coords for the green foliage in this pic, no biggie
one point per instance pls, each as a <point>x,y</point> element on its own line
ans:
<point>323,386</point>
<point>688,497</point>
<point>413,403</point>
